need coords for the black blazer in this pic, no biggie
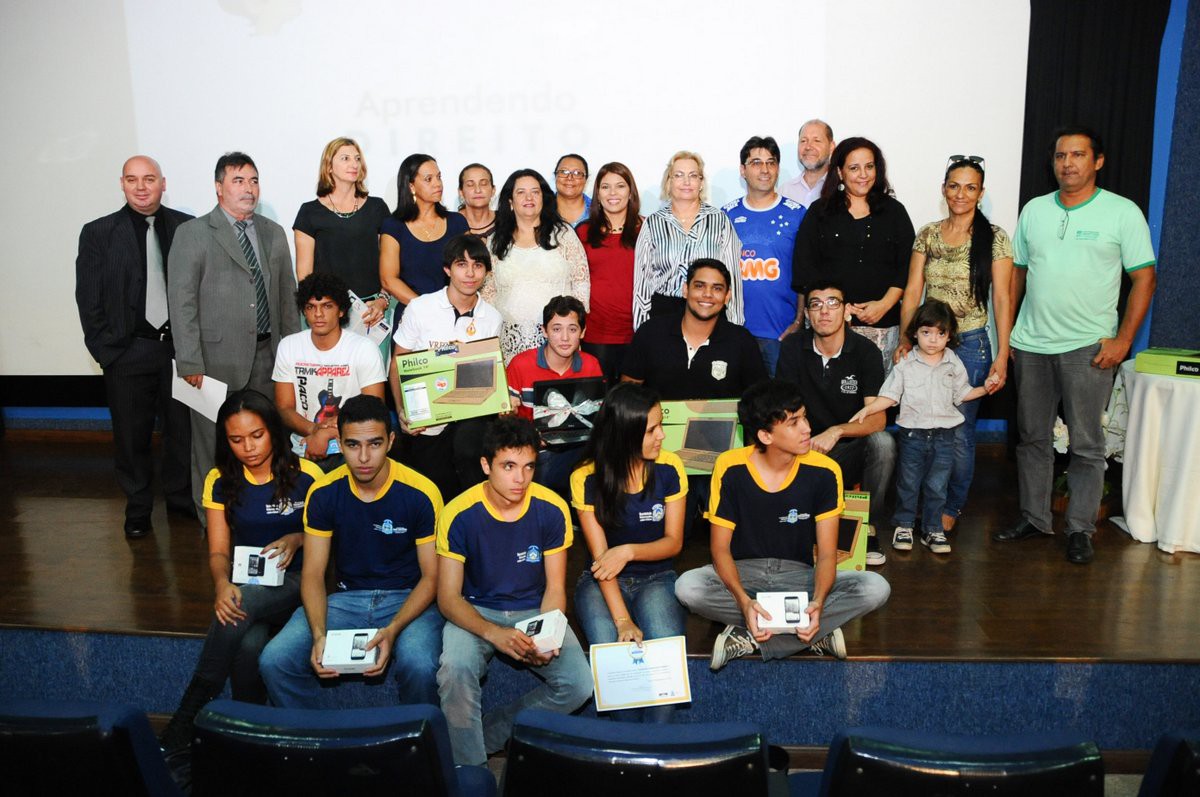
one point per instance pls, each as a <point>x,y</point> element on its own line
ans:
<point>110,279</point>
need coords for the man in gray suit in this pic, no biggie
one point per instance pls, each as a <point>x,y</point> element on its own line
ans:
<point>231,298</point>
<point>121,290</point>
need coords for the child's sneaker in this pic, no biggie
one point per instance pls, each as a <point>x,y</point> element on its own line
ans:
<point>935,541</point>
<point>902,538</point>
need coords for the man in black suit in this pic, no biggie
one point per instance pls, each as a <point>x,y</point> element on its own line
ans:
<point>121,290</point>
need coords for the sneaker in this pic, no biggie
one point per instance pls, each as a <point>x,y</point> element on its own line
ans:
<point>875,557</point>
<point>732,643</point>
<point>833,644</point>
<point>934,540</point>
<point>902,538</point>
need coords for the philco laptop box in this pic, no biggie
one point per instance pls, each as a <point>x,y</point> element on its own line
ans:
<point>453,383</point>
<point>700,431</point>
<point>1168,362</point>
<point>852,531</point>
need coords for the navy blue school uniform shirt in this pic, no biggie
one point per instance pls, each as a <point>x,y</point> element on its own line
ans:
<point>258,517</point>
<point>644,516</point>
<point>375,542</point>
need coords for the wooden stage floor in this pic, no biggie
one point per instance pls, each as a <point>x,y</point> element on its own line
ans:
<point>67,565</point>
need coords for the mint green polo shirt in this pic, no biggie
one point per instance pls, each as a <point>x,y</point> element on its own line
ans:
<point>1073,280</point>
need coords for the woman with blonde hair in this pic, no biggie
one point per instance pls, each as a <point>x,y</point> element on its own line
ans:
<point>685,229</point>
<point>338,231</point>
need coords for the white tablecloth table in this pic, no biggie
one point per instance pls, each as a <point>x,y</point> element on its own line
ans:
<point>1161,484</point>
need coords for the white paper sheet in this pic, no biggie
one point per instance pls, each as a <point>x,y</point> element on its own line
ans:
<point>206,399</point>
<point>628,675</point>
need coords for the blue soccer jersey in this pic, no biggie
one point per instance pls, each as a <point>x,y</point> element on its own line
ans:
<point>259,518</point>
<point>502,559</point>
<point>644,517</point>
<point>768,237</point>
<point>375,542</point>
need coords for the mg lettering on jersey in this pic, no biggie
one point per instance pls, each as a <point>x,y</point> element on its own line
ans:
<point>758,268</point>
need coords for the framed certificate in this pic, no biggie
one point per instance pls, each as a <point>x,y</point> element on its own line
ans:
<point>629,675</point>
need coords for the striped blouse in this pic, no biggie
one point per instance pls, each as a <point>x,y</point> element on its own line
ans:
<point>665,250</point>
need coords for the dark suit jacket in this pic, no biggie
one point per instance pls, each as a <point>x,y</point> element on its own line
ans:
<point>211,293</point>
<point>110,279</point>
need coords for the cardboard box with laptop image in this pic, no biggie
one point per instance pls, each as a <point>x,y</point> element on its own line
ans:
<point>453,383</point>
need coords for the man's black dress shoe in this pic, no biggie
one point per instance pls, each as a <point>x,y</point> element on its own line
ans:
<point>137,528</point>
<point>1079,548</point>
<point>1022,531</point>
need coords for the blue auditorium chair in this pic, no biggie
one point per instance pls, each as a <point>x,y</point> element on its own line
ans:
<point>1174,769</point>
<point>872,760</point>
<point>79,747</point>
<point>245,749</point>
<point>552,753</point>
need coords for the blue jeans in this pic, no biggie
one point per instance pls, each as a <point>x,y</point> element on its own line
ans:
<point>926,458</point>
<point>285,666</point>
<point>854,594</point>
<point>652,606</point>
<point>975,351</point>
<point>769,348</point>
<point>566,685</point>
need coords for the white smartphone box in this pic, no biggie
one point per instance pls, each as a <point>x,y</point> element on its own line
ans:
<point>346,650</point>
<point>547,630</point>
<point>787,610</point>
<point>252,566</point>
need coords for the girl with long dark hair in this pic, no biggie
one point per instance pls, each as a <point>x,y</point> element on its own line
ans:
<point>535,257</point>
<point>630,497</point>
<point>964,260</point>
<point>609,237</point>
<point>255,497</point>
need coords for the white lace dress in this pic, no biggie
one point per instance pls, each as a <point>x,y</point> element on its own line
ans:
<point>521,284</point>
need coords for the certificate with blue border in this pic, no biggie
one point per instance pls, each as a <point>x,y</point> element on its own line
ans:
<point>629,675</point>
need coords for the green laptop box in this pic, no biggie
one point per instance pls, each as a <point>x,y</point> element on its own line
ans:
<point>453,383</point>
<point>1168,362</point>
<point>700,430</point>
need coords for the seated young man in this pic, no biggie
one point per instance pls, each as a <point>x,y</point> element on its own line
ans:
<point>772,503</point>
<point>563,322</point>
<point>449,453</point>
<point>377,518</point>
<point>502,559</point>
<point>318,368</point>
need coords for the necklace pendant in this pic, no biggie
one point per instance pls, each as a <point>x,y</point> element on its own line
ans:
<point>471,329</point>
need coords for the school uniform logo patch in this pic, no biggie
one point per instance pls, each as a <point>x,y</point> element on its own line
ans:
<point>720,369</point>
<point>532,555</point>
<point>656,513</point>
<point>389,528</point>
<point>794,516</point>
<point>850,385</point>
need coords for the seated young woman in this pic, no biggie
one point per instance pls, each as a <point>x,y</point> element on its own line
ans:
<point>253,497</point>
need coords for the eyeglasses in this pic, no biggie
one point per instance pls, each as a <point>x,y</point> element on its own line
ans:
<point>571,174</point>
<point>758,163</point>
<point>978,160</point>
<point>1062,225</point>
<point>832,302</point>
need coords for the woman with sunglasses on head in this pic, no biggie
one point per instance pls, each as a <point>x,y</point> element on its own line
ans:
<point>476,189</point>
<point>535,257</point>
<point>609,237</point>
<point>860,236</point>
<point>410,247</point>
<point>253,497</point>
<point>964,260</point>
<point>339,230</point>
<point>629,494</point>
